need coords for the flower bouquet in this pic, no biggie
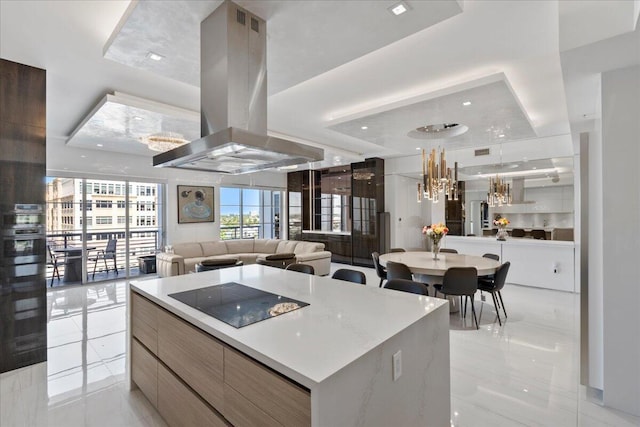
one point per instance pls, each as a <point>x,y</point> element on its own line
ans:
<point>435,232</point>
<point>501,223</point>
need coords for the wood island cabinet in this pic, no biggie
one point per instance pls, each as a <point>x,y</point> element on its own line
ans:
<point>193,379</point>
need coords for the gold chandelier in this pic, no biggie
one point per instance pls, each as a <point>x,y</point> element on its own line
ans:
<point>163,141</point>
<point>499,192</point>
<point>437,178</point>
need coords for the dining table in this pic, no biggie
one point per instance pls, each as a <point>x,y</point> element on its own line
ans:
<point>73,262</point>
<point>430,271</point>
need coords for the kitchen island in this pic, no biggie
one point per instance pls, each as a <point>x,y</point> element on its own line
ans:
<point>326,364</point>
<point>546,264</point>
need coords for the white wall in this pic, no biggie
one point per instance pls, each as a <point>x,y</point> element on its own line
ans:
<point>621,246</point>
<point>407,215</point>
<point>76,162</point>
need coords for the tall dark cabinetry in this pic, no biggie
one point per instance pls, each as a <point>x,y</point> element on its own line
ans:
<point>367,221</point>
<point>23,331</point>
<point>370,229</point>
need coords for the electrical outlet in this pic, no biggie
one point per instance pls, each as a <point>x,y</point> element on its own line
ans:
<point>397,365</point>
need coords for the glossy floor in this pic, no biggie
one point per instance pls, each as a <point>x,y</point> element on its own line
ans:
<point>523,373</point>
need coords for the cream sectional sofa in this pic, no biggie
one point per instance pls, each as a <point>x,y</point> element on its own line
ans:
<point>186,255</point>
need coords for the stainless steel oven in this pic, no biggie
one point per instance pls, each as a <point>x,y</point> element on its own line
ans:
<point>23,236</point>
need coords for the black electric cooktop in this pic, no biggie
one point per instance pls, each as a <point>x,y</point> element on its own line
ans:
<point>237,305</point>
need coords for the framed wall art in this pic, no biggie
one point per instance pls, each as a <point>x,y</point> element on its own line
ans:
<point>195,204</point>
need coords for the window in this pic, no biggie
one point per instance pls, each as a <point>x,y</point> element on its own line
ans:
<point>121,204</point>
<point>249,213</point>
<point>103,204</point>
<point>104,220</point>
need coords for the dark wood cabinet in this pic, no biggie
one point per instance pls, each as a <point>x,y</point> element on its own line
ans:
<point>454,213</point>
<point>23,301</point>
<point>367,228</point>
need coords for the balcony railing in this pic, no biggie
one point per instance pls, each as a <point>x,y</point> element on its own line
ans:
<point>237,232</point>
<point>142,242</point>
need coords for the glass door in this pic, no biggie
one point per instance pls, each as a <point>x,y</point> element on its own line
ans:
<point>101,229</point>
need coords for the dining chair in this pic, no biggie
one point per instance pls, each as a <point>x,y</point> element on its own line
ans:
<point>380,270</point>
<point>398,270</point>
<point>53,261</point>
<point>492,256</point>
<point>392,250</point>
<point>462,282</point>
<point>448,251</point>
<point>104,254</point>
<point>301,268</point>
<point>348,275</point>
<point>539,234</point>
<point>517,232</point>
<point>494,286</point>
<point>407,286</point>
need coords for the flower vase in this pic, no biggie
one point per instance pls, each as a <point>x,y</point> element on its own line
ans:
<point>501,234</point>
<point>435,249</point>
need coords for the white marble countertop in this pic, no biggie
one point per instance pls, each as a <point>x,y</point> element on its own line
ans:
<point>513,240</point>
<point>343,321</point>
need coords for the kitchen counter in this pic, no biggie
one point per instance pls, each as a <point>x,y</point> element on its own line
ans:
<point>546,264</point>
<point>340,347</point>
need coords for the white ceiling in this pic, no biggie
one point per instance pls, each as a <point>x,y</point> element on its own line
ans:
<point>326,68</point>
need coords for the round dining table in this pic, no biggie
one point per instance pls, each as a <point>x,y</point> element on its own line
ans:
<point>430,271</point>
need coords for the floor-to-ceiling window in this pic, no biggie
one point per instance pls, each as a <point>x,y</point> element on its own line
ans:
<point>249,213</point>
<point>100,227</point>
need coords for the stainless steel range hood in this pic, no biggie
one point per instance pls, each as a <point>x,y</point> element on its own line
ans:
<point>233,85</point>
<point>517,192</point>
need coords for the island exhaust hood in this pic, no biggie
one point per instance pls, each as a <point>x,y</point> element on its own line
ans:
<point>233,98</point>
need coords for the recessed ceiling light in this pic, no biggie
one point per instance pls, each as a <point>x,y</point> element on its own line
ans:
<point>501,135</point>
<point>137,118</point>
<point>534,168</point>
<point>466,103</point>
<point>100,145</point>
<point>364,127</point>
<point>417,148</point>
<point>154,56</point>
<point>83,156</point>
<point>399,8</point>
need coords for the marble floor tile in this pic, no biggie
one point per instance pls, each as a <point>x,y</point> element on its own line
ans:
<point>523,373</point>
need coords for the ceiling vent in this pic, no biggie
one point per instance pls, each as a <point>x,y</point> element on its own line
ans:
<point>482,152</point>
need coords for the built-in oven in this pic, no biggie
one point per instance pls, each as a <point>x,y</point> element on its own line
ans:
<point>23,236</point>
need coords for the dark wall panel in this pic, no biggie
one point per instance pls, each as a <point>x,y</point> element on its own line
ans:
<point>23,318</point>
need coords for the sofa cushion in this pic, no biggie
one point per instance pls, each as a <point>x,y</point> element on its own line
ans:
<point>188,250</point>
<point>239,246</point>
<point>265,246</point>
<point>280,256</point>
<point>288,246</point>
<point>306,247</point>
<point>213,248</point>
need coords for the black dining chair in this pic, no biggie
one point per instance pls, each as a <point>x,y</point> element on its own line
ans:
<point>448,251</point>
<point>53,261</point>
<point>492,256</point>
<point>392,250</point>
<point>348,275</point>
<point>380,270</point>
<point>104,254</point>
<point>301,268</point>
<point>517,232</point>
<point>494,286</point>
<point>407,286</point>
<point>539,234</point>
<point>398,270</point>
<point>462,282</point>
